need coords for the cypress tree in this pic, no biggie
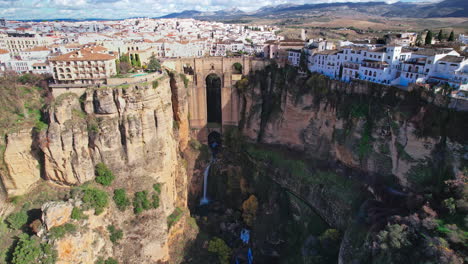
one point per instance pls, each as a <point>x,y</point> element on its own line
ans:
<point>428,40</point>
<point>451,37</point>
<point>440,36</point>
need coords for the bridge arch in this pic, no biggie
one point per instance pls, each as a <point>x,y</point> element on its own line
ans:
<point>213,84</point>
<point>200,108</point>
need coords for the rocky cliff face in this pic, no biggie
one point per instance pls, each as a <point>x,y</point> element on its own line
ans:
<point>377,129</point>
<point>133,130</point>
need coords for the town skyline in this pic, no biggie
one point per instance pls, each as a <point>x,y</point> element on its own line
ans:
<point>123,9</point>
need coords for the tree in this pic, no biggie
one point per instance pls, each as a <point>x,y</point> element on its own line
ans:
<point>451,37</point>
<point>440,36</point>
<point>238,67</point>
<point>17,220</point>
<point>29,250</point>
<point>219,247</point>
<point>303,62</point>
<point>428,40</point>
<point>154,64</point>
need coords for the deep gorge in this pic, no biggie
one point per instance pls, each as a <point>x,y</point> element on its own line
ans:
<point>319,171</point>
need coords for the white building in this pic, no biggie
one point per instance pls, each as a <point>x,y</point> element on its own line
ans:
<point>294,57</point>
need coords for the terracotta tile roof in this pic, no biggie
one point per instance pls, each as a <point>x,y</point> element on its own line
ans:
<point>83,55</point>
<point>38,48</point>
<point>2,51</point>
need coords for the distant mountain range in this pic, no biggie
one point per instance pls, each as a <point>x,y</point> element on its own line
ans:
<point>447,8</point>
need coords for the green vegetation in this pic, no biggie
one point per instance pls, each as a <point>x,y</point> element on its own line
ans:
<point>29,250</point>
<point>96,199</point>
<point>155,84</point>
<point>114,234</point>
<point>141,202</point>
<point>339,187</point>
<point>440,36</point>
<point>17,220</point>
<point>153,64</point>
<point>77,214</point>
<point>157,187</point>
<point>121,199</point>
<point>60,231</point>
<point>184,79</point>
<point>451,37</point>
<point>219,247</point>
<point>107,261</point>
<point>237,67</point>
<point>174,217</point>
<point>22,99</point>
<point>104,175</point>
<point>428,40</point>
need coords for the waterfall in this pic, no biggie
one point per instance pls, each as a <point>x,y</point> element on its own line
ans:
<point>205,200</point>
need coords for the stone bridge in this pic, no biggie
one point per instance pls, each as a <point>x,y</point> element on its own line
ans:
<point>214,102</point>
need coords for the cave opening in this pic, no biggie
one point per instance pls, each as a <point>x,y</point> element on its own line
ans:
<point>213,99</point>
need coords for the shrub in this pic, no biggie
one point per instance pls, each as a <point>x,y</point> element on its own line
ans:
<point>157,188</point>
<point>185,80</point>
<point>104,176</point>
<point>29,250</point>
<point>77,214</point>
<point>219,247</point>
<point>155,202</point>
<point>111,261</point>
<point>195,144</point>
<point>96,199</point>
<point>155,84</point>
<point>114,234</point>
<point>174,217</point>
<point>60,231</point>
<point>141,202</point>
<point>17,220</point>
<point>121,199</point>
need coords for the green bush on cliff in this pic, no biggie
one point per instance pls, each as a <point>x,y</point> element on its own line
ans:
<point>104,175</point>
<point>174,217</point>
<point>60,231</point>
<point>77,214</point>
<point>141,202</point>
<point>114,234</point>
<point>121,199</point>
<point>29,250</point>
<point>219,247</point>
<point>96,199</point>
<point>107,261</point>
<point>17,220</point>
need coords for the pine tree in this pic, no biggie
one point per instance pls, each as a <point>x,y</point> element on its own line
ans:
<point>440,36</point>
<point>451,37</point>
<point>428,40</point>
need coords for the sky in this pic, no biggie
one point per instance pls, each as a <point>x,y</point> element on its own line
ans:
<point>115,9</point>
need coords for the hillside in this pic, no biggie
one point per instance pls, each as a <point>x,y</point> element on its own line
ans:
<point>447,8</point>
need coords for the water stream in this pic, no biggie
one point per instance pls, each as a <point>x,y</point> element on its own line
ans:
<point>204,199</point>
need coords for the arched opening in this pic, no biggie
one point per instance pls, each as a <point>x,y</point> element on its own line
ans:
<point>213,98</point>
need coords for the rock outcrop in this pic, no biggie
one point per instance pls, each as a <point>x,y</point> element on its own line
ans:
<point>22,163</point>
<point>56,213</point>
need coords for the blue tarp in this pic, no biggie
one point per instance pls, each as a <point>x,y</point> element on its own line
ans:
<point>245,236</point>
<point>250,256</point>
